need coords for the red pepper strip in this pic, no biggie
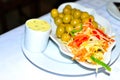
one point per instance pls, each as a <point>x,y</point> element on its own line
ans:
<point>102,33</point>
<point>105,37</point>
<point>78,40</point>
<point>96,34</point>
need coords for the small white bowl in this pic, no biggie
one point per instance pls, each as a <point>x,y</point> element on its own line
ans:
<point>36,35</point>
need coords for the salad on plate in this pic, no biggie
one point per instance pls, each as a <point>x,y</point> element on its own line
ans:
<point>82,34</point>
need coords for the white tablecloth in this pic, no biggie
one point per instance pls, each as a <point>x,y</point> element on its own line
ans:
<point>14,65</point>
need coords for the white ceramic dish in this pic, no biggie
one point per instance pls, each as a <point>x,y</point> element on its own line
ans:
<point>98,18</point>
<point>112,9</point>
<point>55,62</point>
<point>52,60</point>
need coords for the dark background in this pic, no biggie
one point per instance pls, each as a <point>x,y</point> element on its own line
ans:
<point>14,19</point>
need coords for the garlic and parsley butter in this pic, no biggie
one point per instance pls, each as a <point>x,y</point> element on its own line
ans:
<point>38,25</point>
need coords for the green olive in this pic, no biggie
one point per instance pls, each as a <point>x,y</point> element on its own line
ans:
<point>65,37</point>
<point>73,10</point>
<point>59,31</point>
<point>74,21</point>
<point>68,28</point>
<point>61,25</point>
<point>61,15</point>
<point>77,14</point>
<point>67,18</point>
<point>67,10</point>
<point>68,6</point>
<point>84,15</point>
<point>54,13</point>
<point>85,20</point>
<point>58,20</point>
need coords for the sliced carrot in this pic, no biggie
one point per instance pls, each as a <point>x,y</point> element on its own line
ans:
<point>78,40</point>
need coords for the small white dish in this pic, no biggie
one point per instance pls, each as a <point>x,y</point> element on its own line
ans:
<point>98,18</point>
<point>113,10</point>
<point>36,35</point>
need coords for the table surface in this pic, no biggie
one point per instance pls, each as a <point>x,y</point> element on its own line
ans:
<point>14,65</point>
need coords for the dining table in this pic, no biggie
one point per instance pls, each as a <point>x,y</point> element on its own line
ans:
<point>15,65</point>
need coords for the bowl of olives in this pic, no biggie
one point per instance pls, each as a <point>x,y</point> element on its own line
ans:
<point>71,15</point>
<point>68,18</point>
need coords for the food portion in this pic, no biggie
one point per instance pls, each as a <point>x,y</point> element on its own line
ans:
<point>70,21</point>
<point>82,35</point>
<point>37,24</point>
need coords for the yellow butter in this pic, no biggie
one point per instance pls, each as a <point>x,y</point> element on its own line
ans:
<point>38,25</point>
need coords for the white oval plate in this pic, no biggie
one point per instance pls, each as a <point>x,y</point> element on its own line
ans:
<point>98,18</point>
<point>55,62</point>
<point>112,9</point>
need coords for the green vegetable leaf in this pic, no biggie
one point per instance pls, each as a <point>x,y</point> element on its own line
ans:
<point>74,31</point>
<point>107,67</point>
